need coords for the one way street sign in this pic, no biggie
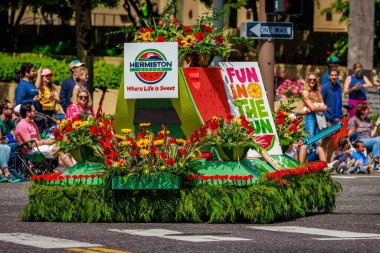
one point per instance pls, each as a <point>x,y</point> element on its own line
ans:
<point>265,30</point>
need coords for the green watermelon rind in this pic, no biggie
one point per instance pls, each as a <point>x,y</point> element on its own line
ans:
<point>193,104</point>
<point>270,146</point>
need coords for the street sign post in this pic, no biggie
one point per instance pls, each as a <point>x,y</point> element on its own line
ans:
<point>267,30</point>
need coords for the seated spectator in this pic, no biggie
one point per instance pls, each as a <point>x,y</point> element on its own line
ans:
<point>27,130</point>
<point>346,160</point>
<point>5,175</point>
<point>361,160</point>
<point>314,154</point>
<point>366,131</point>
<point>7,126</point>
<point>80,105</point>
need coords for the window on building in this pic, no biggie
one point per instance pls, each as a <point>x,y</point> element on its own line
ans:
<point>329,16</point>
<point>248,15</point>
<point>190,14</point>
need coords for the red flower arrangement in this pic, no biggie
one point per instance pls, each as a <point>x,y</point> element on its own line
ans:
<point>148,153</point>
<point>201,38</point>
<point>310,168</point>
<point>57,177</point>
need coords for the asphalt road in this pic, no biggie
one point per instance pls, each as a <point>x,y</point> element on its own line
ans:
<point>353,227</point>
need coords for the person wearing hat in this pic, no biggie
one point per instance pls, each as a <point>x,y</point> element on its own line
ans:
<point>68,84</point>
<point>355,87</point>
<point>333,63</point>
<point>48,92</point>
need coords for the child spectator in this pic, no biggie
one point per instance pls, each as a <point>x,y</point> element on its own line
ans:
<point>361,159</point>
<point>345,158</point>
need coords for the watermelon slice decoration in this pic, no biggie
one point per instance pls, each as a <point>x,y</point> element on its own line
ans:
<point>266,141</point>
<point>202,96</point>
<point>150,77</point>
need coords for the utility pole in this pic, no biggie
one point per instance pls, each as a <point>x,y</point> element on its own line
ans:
<point>360,34</point>
<point>266,58</point>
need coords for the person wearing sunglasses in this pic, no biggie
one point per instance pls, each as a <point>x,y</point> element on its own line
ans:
<point>355,87</point>
<point>313,103</point>
<point>80,105</point>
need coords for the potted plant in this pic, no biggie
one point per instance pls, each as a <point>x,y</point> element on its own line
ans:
<point>149,161</point>
<point>232,137</point>
<point>82,139</point>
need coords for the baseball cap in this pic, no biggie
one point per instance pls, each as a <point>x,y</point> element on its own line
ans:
<point>46,72</point>
<point>17,109</point>
<point>334,59</point>
<point>75,63</point>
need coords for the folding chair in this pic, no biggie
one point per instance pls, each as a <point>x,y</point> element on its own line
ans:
<point>31,164</point>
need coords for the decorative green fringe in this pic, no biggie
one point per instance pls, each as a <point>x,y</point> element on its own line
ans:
<point>261,203</point>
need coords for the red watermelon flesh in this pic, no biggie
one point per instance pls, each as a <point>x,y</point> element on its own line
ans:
<point>150,76</point>
<point>266,141</point>
<point>207,90</point>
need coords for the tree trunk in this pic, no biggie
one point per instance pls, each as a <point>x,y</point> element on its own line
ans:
<point>85,38</point>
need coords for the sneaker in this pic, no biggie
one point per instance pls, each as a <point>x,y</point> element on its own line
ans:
<point>356,170</point>
<point>342,168</point>
<point>334,165</point>
<point>377,167</point>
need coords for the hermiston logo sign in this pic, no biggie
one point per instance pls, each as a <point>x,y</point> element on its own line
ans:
<point>150,66</point>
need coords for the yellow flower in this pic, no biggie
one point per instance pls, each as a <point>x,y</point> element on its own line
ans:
<point>163,167</point>
<point>158,142</point>
<point>286,135</point>
<point>85,123</point>
<point>147,37</point>
<point>137,37</point>
<point>146,171</point>
<point>285,113</point>
<point>115,165</point>
<point>120,137</point>
<point>180,164</point>
<point>188,41</point>
<point>181,141</point>
<point>101,124</point>
<point>142,143</point>
<point>238,121</point>
<point>144,124</point>
<point>215,117</point>
<point>63,124</point>
<point>76,125</point>
<point>126,130</point>
<point>144,151</point>
<point>126,143</point>
<point>163,132</point>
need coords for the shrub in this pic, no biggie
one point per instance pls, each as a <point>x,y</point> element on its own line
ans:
<point>105,75</point>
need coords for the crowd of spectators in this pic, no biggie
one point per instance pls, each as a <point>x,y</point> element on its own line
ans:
<point>19,124</point>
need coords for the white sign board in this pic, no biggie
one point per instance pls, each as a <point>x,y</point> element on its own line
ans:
<point>151,70</point>
<point>246,96</point>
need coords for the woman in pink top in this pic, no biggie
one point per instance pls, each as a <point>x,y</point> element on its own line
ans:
<point>80,105</point>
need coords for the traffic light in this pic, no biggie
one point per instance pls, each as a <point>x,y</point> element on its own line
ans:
<point>286,7</point>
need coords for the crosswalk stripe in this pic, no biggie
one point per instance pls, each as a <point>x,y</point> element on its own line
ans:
<point>346,235</point>
<point>175,235</point>
<point>41,241</point>
<point>96,250</point>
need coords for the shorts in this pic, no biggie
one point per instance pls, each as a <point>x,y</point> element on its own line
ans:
<point>312,156</point>
<point>46,150</point>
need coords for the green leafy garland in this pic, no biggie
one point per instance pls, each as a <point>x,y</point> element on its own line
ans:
<point>265,202</point>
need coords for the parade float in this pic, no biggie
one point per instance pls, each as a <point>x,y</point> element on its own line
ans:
<point>188,144</point>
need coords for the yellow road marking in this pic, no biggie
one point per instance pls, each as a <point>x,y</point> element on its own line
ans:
<point>109,250</point>
<point>96,250</point>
